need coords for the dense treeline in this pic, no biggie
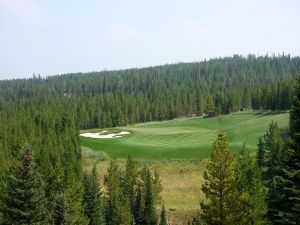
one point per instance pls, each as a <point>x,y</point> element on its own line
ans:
<point>45,138</point>
<point>216,86</point>
<point>212,75</point>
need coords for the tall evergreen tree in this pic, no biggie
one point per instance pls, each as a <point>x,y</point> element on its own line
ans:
<point>273,145</point>
<point>150,217</point>
<point>157,188</point>
<point>219,185</point>
<point>274,156</point>
<point>129,181</point>
<point>59,208</point>
<point>92,199</point>
<point>138,207</point>
<point>260,155</point>
<point>25,203</point>
<point>210,107</point>
<point>73,211</point>
<point>250,201</point>
<point>291,167</point>
<point>118,207</point>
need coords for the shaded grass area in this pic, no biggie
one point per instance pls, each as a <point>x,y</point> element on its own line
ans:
<point>186,139</point>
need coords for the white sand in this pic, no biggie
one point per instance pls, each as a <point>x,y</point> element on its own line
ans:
<point>101,135</point>
<point>123,132</point>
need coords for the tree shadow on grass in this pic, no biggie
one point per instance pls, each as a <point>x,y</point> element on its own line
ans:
<point>269,113</point>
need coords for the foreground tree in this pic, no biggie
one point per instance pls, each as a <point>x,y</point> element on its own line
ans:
<point>25,203</point>
<point>219,185</point>
<point>150,217</point>
<point>118,206</point>
<point>157,188</point>
<point>73,211</point>
<point>260,155</point>
<point>59,208</point>
<point>138,209</point>
<point>129,181</point>
<point>271,156</point>
<point>291,167</point>
<point>250,206</point>
<point>92,199</point>
<point>233,187</point>
<point>272,152</point>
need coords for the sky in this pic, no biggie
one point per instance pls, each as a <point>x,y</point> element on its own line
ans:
<point>49,37</point>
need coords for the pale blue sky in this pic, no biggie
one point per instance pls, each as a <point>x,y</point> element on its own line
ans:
<point>58,36</point>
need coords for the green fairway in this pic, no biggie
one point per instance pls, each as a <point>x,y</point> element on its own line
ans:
<point>186,139</point>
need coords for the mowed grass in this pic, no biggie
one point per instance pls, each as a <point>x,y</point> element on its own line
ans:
<point>188,138</point>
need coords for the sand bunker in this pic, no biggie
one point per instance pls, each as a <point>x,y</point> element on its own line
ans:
<point>101,135</point>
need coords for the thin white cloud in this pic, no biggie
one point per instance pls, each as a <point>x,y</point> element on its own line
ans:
<point>28,10</point>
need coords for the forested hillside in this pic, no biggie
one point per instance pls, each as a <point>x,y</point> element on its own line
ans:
<point>216,86</point>
<point>44,137</point>
<point>41,176</point>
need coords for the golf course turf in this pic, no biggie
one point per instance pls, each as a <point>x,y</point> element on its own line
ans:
<point>186,138</point>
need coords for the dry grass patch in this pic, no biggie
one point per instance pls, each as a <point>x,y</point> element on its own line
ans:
<point>181,180</point>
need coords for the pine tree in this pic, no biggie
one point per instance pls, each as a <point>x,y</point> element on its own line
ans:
<point>118,207</point>
<point>112,185</point>
<point>291,167</point>
<point>276,199</point>
<point>138,207</point>
<point>59,208</point>
<point>163,216</point>
<point>92,199</point>
<point>273,174</point>
<point>157,188</point>
<point>250,206</point>
<point>25,203</point>
<point>260,156</point>
<point>150,217</point>
<point>58,184</point>
<point>210,107</point>
<point>73,212</point>
<point>3,184</point>
<point>273,143</point>
<point>129,181</point>
<point>219,185</point>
